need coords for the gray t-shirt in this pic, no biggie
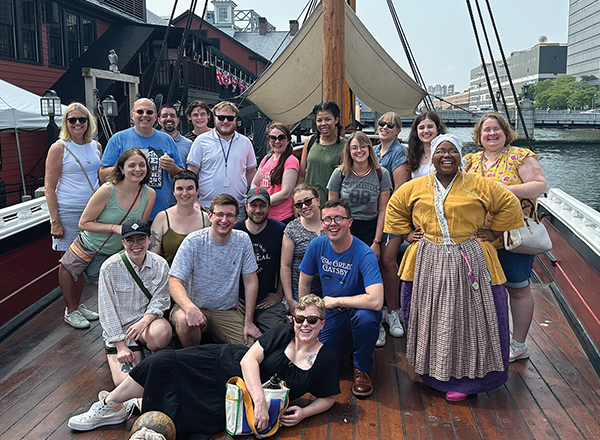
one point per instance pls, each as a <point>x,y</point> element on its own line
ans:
<point>211,271</point>
<point>361,192</point>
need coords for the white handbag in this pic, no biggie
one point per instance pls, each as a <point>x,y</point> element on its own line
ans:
<point>531,239</point>
<point>239,411</point>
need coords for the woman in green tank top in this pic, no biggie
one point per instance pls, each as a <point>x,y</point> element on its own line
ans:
<point>172,225</point>
<point>125,188</point>
<point>317,164</point>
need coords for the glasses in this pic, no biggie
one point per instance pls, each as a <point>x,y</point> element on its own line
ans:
<point>168,115</point>
<point>280,138</point>
<point>229,215</point>
<point>337,219</point>
<point>138,240</point>
<point>74,120</point>
<point>306,202</point>
<point>221,118</point>
<point>390,125</point>
<point>360,147</point>
<point>443,153</point>
<point>312,320</point>
<point>148,112</point>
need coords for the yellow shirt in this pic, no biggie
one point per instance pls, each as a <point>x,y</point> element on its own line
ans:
<point>412,205</point>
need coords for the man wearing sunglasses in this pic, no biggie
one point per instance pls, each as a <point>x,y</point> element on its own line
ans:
<point>352,291</point>
<point>266,235</point>
<point>160,149</point>
<point>128,317</point>
<point>223,159</point>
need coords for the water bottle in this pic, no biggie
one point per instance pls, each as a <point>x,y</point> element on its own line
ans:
<point>273,383</point>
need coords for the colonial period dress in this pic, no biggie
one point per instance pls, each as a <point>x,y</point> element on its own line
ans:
<point>453,301</point>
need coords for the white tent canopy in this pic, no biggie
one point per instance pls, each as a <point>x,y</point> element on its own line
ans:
<point>293,84</point>
<point>20,109</point>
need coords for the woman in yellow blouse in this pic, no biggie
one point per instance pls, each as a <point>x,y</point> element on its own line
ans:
<point>453,302</point>
<point>519,171</point>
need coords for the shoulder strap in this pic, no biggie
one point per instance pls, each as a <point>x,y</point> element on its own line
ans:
<point>135,276</point>
<point>168,222</point>
<point>64,144</point>
<point>379,174</point>
<point>311,142</point>
<point>124,217</point>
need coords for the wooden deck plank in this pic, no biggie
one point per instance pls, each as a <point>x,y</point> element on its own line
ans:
<point>486,417</point>
<point>390,414</point>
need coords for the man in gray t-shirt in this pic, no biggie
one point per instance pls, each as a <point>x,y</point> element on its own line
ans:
<point>204,280</point>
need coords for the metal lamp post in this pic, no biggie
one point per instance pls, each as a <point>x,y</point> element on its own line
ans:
<point>50,106</point>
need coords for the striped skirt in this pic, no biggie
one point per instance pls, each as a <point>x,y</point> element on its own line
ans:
<point>453,328</point>
<point>69,217</point>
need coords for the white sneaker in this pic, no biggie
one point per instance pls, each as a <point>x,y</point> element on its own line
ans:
<point>132,404</point>
<point>87,313</point>
<point>75,319</point>
<point>100,414</point>
<point>381,339</point>
<point>393,320</point>
<point>518,351</point>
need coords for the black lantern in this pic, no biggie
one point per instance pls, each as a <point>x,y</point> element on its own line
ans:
<point>109,105</point>
<point>525,91</point>
<point>50,106</point>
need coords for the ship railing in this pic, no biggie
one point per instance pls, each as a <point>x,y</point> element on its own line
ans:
<point>582,220</point>
<point>23,216</point>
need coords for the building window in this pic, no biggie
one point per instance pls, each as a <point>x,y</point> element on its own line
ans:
<point>29,30</point>
<point>7,36</point>
<point>72,37</point>
<point>55,44</point>
<point>88,33</point>
<point>223,15</point>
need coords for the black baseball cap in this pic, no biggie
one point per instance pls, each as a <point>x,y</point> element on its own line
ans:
<point>134,227</point>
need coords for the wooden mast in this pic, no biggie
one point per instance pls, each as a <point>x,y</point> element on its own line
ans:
<point>334,62</point>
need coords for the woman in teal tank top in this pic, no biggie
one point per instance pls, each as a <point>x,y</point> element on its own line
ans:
<point>172,225</point>
<point>317,164</point>
<point>126,187</point>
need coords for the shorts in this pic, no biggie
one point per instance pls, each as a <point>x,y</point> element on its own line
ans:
<point>517,268</point>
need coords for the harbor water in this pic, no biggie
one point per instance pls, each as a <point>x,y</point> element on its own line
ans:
<point>570,159</point>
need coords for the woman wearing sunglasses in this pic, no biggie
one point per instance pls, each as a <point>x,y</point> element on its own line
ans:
<point>71,178</point>
<point>365,185</point>
<point>189,385</point>
<point>296,237</point>
<point>278,172</point>
<point>392,156</point>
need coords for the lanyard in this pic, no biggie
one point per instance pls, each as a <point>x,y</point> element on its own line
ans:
<point>226,156</point>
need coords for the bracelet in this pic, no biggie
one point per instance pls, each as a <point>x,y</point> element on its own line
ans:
<point>377,241</point>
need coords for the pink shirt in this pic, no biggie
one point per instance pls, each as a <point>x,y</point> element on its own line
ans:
<point>284,209</point>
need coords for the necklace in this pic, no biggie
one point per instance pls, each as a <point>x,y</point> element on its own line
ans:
<point>81,149</point>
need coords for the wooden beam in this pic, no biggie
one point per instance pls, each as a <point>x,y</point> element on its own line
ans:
<point>334,65</point>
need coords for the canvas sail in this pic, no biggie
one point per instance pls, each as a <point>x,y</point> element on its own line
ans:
<point>288,90</point>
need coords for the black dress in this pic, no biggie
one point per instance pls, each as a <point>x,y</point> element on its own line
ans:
<point>189,384</point>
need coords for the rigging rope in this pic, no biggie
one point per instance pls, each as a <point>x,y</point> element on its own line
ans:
<point>409,55</point>
<point>162,51</point>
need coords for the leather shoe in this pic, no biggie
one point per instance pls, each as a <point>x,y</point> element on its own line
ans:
<point>363,383</point>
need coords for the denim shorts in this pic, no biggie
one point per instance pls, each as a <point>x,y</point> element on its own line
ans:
<point>516,267</point>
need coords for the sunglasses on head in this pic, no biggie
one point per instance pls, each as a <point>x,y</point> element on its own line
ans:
<point>280,138</point>
<point>390,125</point>
<point>74,120</point>
<point>141,112</point>
<point>221,118</point>
<point>312,320</point>
<point>306,202</point>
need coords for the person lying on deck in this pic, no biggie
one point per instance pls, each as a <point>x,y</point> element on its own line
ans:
<point>132,318</point>
<point>189,384</point>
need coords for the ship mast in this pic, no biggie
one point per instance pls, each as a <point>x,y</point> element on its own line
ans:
<point>334,62</point>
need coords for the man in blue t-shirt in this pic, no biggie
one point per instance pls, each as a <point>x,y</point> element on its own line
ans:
<point>160,149</point>
<point>352,290</point>
<point>266,236</point>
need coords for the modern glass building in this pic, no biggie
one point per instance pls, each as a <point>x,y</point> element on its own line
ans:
<point>583,56</point>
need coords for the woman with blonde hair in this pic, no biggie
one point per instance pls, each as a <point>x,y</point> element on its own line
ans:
<point>71,179</point>
<point>365,185</point>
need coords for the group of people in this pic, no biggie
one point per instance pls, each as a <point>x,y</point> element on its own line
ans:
<point>248,246</point>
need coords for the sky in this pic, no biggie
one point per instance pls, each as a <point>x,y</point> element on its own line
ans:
<point>439,32</point>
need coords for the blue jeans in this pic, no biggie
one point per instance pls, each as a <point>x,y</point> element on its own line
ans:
<point>352,331</point>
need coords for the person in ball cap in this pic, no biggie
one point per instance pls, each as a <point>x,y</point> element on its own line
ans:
<point>130,317</point>
<point>266,235</point>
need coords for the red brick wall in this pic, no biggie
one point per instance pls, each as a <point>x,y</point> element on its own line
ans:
<point>34,145</point>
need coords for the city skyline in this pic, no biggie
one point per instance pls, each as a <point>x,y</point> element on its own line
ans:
<point>440,36</point>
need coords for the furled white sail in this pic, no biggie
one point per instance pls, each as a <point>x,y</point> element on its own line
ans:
<point>293,84</point>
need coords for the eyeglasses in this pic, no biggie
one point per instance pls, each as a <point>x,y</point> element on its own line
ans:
<point>306,202</point>
<point>229,215</point>
<point>390,125</point>
<point>168,115</point>
<point>141,112</point>
<point>139,240</point>
<point>74,120</point>
<point>280,138</point>
<point>312,320</point>
<point>443,153</point>
<point>337,219</point>
<point>360,147</point>
<point>221,118</point>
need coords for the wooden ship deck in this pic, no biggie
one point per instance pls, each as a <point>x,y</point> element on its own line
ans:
<point>49,371</point>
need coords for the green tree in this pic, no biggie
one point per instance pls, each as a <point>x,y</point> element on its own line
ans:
<point>584,98</point>
<point>555,93</point>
